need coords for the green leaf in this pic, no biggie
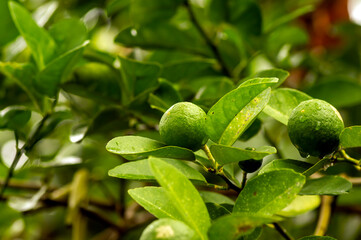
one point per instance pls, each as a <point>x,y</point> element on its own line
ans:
<point>8,30</point>
<point>232,227</point>
<point>300,205</point>
<point>144,12</point>
<point>68,33</point>
<point>156,201</point>
<point>269,193</point>
<point>214,197</point>
<point>338,91</point>
<point>96,81</point>
<point>186,69</point>
<point>226,154</point>
<point>165,96</point>
<point>317,238</point>
<point>23,74</point>
<point>52,122</point>
<point>135,148</point>
<point>288,17</point>
<point>137,77</point>
<point>327,185</point>
<point>163,36</point>
<point>282,102</point>
<point>39,41</point>
<point>281,74</point>
<point>216,210</point>
<point>254,235</point>
<point>14,117</point>
<point>350,137</point>
<point>183,194</point>
<point>236,110</point>
<point>297,166</point>
<point>56,72</point>
<point>140,170</point>
<point>208,90</point>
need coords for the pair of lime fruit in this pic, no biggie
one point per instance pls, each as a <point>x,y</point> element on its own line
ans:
<point>314,127</point>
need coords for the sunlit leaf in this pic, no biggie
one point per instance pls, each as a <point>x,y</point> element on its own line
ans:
<point>136,147</point>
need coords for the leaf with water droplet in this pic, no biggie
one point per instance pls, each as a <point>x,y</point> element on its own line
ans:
<point>235,111</point>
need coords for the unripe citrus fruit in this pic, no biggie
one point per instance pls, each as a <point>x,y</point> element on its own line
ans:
<point>168,229</point>
<point>314,128</point>
<point>183,125</point>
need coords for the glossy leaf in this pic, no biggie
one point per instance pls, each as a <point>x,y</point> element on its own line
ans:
<point>226,154</point>
<point>327,185</point>
<point>137,77</point>
<point>232,227</point>
<point>215,198</point>
<point>184,195</point>
<point>297,166</point>
<point>282,75</point>
<point>39,41</point>
<point>350,137</point>
<point>140,170</point>
<point>136,147</point>
<point>156,36</point>
<point>14,117</point>
<point>216,210</point>
<point>156,201</point>
<point>57,71</point>
<point>282,102</point>
<point>337,91</point>
<point>300,205</point>
<point>269,193</point>
<point>236,110</point>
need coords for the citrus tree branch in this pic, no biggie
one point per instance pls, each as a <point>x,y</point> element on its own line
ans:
<point>282,231</point>
<point>207,39</point>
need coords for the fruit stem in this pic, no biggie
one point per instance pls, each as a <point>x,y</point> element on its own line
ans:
<point>324,217</point>
<point>349,159</point>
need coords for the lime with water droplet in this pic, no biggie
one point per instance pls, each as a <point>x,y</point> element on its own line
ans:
<point>314,128</point>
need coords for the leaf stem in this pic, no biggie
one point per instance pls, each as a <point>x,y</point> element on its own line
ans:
<point>282,231</point>
<point>349,158</point>
<point>317,166</point>
<point>207,39</point>
<point>324,217</point>
<point>206,150</point>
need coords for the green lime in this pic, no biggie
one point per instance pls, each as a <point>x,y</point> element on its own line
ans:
<point>168,229</point>
<point>314,128</point>
<point>183,125</point>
